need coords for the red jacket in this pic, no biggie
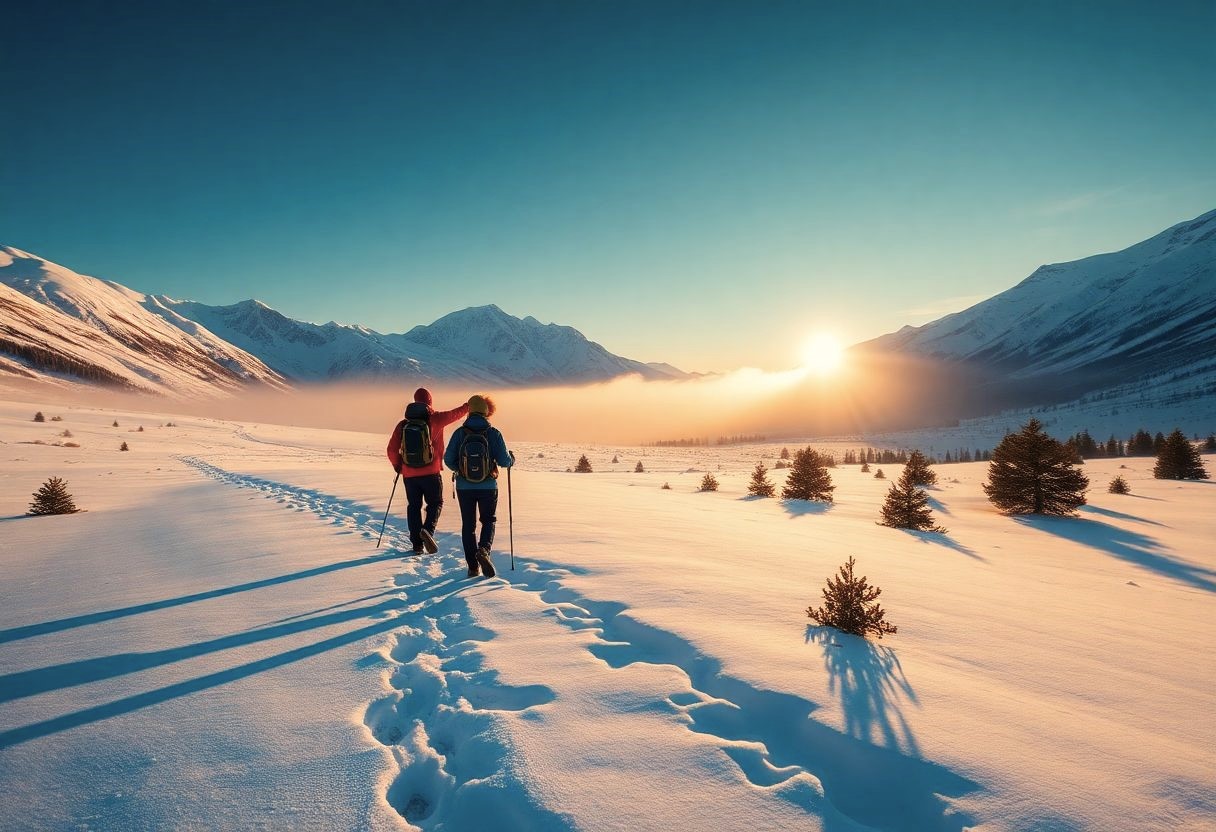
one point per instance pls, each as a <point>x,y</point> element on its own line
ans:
<point>440,419</point>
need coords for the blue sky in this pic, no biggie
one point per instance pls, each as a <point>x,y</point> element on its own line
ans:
<point>700,183</point>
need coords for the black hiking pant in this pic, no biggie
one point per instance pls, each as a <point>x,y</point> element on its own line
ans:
<point>475,502</point>
<point>428,487</point>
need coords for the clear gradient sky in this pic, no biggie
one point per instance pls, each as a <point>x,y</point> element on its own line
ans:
<point>703,183</point>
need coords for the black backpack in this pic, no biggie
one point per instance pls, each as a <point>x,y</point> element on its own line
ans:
<point>475,461</point>
<point>417,451</point>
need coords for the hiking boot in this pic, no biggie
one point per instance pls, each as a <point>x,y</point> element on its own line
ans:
<point>483,559</point>
<point>418,549</point>
<point>428,540</point>
<point>474,571</point>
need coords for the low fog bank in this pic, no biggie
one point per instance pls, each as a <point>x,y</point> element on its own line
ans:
<point>872,393</point>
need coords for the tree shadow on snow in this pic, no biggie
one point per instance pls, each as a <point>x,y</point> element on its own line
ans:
<point>940,507</point>
<point>1130,546</point>
<point>798,508</point>
<point>1118,515</point>
<point>943,539</point>
<point>871,685</point>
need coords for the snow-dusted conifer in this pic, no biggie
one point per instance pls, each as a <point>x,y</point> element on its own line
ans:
<point>785,453</point>
<point>850,605</point>
<point>1032,473</point>
<point>879,475</point>
<point>615,461</point>
<point>123,447</point>
<point>52,498</point>
<point>808,478</point>
<point>583,466</point>
<point>907,507</point>
<point>1178,459</point>
<point>38,417</point>
<point>1119,486</point>
<point>709,483</point>
<point>1209,444</point>
<point>865,467</point>
<point>760,485</point>
<point>639,469</point>
<point>918,471</point>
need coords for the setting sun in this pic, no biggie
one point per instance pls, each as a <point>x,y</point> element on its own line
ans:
<point>822,354</point>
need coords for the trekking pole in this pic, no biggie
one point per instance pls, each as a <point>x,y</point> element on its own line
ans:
<point>510,520</point>
<point>386,510</point>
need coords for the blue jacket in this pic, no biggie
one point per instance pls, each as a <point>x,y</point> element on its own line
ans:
<point>498,450</point>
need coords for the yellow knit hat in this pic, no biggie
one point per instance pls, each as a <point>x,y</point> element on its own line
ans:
<point>481,405</point>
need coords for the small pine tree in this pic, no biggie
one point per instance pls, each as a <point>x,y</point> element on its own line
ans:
<point>141,429</point>
<point>781,463</point>
<point>1032,473</point>
<point>808,478</point>
<point>1209,444</point>
<point>115,424</point>
<point>583,466</point>
<point>666,486</point>
<point>123,447</point>
<point>851,605</point>
<point>865,467</point>
<point>615,461</point>
<point>1178,459</point>
<point>785,453</point>
<point>38,417</point>
<point>918,470</point>
<point>52,498</point>
<point>907,507</point>
<point>760,485</point>
<point>709,483</point>
<point>638,469</point>
<point>1119,486</point>
<point>67,434</point>
<point>879,475</point>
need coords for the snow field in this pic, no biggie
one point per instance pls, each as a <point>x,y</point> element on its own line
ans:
<point>648,665</point>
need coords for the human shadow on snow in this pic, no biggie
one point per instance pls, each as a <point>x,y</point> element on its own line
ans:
<point>17,685</point>
<point>30,630</point>
<point>1130,546</point>
<point>25,683</point>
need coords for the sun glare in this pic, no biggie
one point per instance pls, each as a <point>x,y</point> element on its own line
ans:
<point>822,354</point>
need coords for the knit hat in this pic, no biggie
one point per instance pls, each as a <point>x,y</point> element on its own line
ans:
<point>481,405</point>
<point>423,396</point>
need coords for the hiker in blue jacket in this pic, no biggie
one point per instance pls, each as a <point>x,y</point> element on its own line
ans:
<point>475,452</point>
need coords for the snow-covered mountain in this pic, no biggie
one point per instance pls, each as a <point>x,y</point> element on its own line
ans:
<point>1079,326</point>
<point>481,344</point>
<point>57,324</point>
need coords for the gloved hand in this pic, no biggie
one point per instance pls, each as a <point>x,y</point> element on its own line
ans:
<point>397,468</point>
<point>512,455</point>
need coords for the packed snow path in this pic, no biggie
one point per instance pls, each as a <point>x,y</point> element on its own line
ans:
<point>439,720</point>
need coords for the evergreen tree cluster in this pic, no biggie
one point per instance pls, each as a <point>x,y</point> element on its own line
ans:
<point>1178,459</point>
<point>851,605</point>
<point>740,439</point>
<point>1032,473</point>
<point>52,498</point>
<point>808,478</point>
<point>761,485</point>
<point>907,507</point>
<point>1209,444</point>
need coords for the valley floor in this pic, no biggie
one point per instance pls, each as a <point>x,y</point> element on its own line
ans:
<point>217,643</point>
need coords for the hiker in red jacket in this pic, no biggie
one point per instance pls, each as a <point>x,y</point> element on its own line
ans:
<point>415,449</point>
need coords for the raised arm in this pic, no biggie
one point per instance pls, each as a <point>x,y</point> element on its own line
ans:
<point>443,418</point>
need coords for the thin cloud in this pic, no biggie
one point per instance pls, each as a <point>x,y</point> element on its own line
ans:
<point>1078,202</point>
<point>943,306</point>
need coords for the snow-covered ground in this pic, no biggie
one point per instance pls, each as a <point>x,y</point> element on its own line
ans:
<point>217,643</point>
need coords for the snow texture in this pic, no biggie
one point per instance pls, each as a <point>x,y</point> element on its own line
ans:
<point>216,643</point>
